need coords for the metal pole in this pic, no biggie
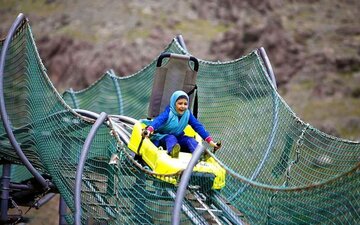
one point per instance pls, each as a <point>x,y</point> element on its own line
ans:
<point>73,98</point>
<point>5,190</point>
<point>180,194</point>
<point>44,200</point>
<point>118,92</point>
<point>181,41</point>
<point>80,167</point>
<point>268,66</point>
<point>62,211</point>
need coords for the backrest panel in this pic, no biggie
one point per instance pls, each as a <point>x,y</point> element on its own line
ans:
<point>175,75</point>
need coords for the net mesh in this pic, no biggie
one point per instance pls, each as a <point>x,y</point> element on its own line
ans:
<point>280,170</point>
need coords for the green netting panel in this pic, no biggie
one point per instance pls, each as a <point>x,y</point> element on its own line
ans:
<point>99,97</point>
<point>130,101</point>
<point>14,91</point>
<point>20,173</point>
<point>266,145</point>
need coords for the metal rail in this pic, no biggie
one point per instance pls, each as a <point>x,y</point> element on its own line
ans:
<point>190,211</point>
<point>268,66</point>
<point>80,167</point>
<point>185,178</point>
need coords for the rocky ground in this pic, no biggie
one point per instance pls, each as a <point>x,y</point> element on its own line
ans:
<point>313,45</point>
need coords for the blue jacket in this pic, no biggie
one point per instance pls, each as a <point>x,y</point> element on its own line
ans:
<point>193,122</point>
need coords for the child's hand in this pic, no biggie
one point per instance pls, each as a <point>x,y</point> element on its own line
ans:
<point>216,145</point>
<point>145,133</point>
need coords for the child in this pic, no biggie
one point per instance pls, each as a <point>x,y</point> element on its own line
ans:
<point>167,128</point>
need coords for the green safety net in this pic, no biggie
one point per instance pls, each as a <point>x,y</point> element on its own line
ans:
<point>115,95</point>
<point>280,170</point>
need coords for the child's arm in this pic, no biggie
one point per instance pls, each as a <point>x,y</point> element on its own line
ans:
<point>200,129</point>
<point>159,120</point>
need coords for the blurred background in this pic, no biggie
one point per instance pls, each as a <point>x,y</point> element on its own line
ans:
<point>313,46</point>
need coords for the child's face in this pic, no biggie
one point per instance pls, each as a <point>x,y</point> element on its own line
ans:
<point>181,105</point>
